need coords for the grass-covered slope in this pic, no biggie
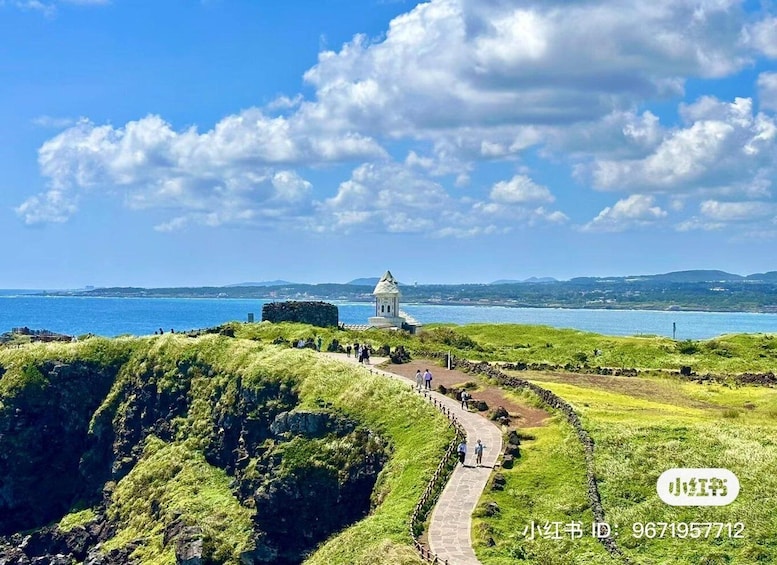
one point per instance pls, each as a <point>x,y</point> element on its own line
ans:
<point>176,434</point>
<point>178,431</point>
<point>642,427</point>
<point>728,354</point>
<point>546,485</point>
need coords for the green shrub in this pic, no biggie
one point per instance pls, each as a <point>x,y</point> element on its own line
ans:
<point>581,357</point>
<point>450,337</point>
<point>688,347</point>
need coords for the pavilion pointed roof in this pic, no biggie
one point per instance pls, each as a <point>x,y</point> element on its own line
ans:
<point>386,285</point>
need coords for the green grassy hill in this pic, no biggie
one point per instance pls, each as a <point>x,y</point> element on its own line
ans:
<point>166,440</point>
<point>641,426</point>
<point>172,442</point>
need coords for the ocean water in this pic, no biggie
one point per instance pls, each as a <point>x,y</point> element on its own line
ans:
<point>142,316</point>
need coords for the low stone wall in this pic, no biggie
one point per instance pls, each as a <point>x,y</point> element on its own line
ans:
<point>321,314</point>
<point>554,402</point>
<point>570,368</point>
<point>760,379</point>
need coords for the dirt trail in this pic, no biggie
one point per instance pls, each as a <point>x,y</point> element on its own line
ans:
<point>521,415</point>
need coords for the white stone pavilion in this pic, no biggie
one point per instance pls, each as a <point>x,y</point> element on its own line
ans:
<point>386,293</point>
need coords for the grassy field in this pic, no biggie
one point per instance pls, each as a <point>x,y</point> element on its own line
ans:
<point>729,354</point>
<point>547,485</point>
<point>172,479</point>
<point>644,426</point>
<point>641,426</point>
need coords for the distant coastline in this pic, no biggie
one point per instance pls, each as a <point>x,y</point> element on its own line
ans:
<point>675,297</point>
<point>114,316</point>
<point>430,302</point>
<point>680,291</point>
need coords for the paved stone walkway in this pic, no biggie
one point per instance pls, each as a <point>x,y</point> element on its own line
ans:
<point>450,529</point>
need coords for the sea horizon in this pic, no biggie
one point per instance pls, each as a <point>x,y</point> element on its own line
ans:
<point>112,316</point>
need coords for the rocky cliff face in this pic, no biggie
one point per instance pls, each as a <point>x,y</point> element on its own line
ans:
<point>172,454</point>
<point>43,439</point>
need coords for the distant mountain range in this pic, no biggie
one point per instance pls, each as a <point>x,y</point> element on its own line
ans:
<point>710,290</point>
<point>366,281</point>
<point>529,280</point>
<point>771,276</point>
<point>693,276</point>
<point>261,283</point>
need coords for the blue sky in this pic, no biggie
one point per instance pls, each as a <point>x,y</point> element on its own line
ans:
<point>213,142</point>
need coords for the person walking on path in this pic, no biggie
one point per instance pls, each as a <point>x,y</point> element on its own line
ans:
<point>419,379</point>
<point>464,399</point>
<point>427,380</point>
<point>479,447</point>
<point>319,341</point>
<point>348,351</point>
<point>462,451</point>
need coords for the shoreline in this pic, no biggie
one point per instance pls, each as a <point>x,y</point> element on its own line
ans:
<point>429,302</point>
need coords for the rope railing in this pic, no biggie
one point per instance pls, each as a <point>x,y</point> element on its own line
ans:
<point>434,487</point>
<point>553,401</point>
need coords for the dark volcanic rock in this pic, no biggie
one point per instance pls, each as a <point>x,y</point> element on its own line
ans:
<point>43,438</point>
<point>491,509</point>
<point>400,355</point>
<point>51,545</point>
<point>513,438</point>
<point>499,482</point>
<point>481,405</point>
<point>321,314</point>
<point>299,510</point>
<point>310,424</point>
<point>113,557</point>
<point>188,546</point>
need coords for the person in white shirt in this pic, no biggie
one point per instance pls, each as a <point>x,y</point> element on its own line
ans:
<point>462,451</point>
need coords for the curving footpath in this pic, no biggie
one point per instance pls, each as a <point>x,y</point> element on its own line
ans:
<point>450,528</point>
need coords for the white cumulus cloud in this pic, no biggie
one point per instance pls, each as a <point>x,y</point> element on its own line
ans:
<point>762,36</point>
<point>724,144</point>
<point>520,189</point>
<point>235,172</point>
<point>736,211</point>
<point>454,63</point>
<point>455,85</point>
<point>394,197</point>
<point>638,210</point>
